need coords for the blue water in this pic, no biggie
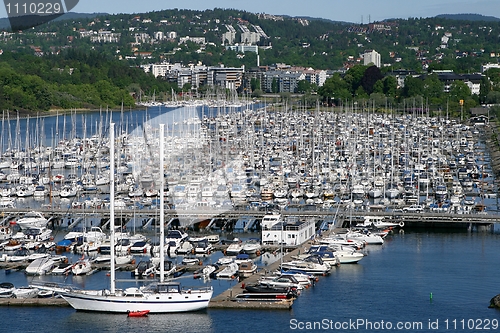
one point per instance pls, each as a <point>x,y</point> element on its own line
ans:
<point>49,130</point>
<point>393,283</point>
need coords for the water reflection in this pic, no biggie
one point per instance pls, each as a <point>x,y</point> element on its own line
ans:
<point>179,322</point>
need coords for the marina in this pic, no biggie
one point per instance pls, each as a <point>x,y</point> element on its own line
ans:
<point>320,193</point>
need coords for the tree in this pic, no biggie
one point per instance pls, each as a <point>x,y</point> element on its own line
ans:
<point>303,86</point>
<point>254,84</point>
<point>493,97</point>
<point>274,86</point>
<point>390,86</point>
<point>371,75</point>
<point>484,89</point>
<point>335,88</point>
<point>413,87</point>
<point>459,91</point>
<point>354,76</point>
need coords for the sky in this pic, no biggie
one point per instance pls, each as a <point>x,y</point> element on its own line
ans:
<point>356,11</point>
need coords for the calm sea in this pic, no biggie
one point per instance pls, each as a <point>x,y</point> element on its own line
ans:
<point>391,286</point>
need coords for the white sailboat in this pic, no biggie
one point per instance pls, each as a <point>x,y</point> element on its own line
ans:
<point>158,297</point>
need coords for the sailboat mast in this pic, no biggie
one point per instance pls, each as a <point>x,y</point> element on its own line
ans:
<point>162,204</point>
<point>112,203</point>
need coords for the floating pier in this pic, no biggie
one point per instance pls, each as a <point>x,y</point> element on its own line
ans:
<point>227,299</point>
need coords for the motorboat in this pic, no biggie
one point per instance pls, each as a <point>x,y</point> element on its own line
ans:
<point>185,247</point>
<point>258,292</point>
<point>140,247</point>
<point>20,254</point>
<point>206,271</point>
<point>344,254</point>
<point>265,288</point>
<point>228,272</point>
<point>366,236</point>
<point>203,246</point>
<point>246,268</point>
<point>38,234</point>
<point>378,222</point>
<point>169,267</point>
<point>313,264</point>
<point>302,278</point>
<point>12,245</point>
<point>41,266</point>
<point>281,281</point>
<point>225,260</point>
<point>176,235</point>
<point>32,219</point>
<point>81,267</point>
<point>145,268</point>
<point>327,255</point>
<point>6,290</point>
<point>62,268</point>
<point>25,292</point>
<point>252,246</point>
<point>234,248</point>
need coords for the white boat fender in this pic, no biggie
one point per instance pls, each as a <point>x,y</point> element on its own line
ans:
<point>401,224</point>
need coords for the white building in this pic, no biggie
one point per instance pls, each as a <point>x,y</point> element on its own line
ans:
<point>229,37</point>
<point>196,40</point>
<point>250,38</point>
<point>243,48</point>
<point>371,56</point>
<point>485,67</point>
<point>164,68</point>
<point>290,232</point>
<point>106,37</point>
<point>159,35</point>
<point>317,77</point>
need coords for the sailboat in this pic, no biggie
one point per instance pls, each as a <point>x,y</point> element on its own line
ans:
<point>157,297</point>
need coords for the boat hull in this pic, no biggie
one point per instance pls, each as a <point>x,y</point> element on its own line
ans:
<point>155,303</point>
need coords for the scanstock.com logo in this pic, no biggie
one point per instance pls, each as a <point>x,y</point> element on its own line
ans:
<point>28,14</point>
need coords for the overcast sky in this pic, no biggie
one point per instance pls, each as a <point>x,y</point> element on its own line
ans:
<point>339,10</point>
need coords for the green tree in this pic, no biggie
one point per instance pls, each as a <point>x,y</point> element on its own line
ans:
<point>274,86</point>
<point>413,87</point>
<point>459,91</point>
<point>354,77</point>
<point>390,86</point>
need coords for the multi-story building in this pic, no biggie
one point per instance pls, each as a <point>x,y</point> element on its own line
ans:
<point>250,37</point>
<point>243,48</point>
<point>106,37</point>
<point>286,81</point>
<point>227,77</point>
<point>371,56</point>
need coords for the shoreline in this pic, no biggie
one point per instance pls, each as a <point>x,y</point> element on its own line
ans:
<point>23,114</point>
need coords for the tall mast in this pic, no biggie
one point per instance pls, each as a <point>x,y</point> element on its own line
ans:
<point>112,202</point>
<point>162,204</point>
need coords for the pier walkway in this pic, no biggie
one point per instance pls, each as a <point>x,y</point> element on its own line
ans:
<point>342,218</point>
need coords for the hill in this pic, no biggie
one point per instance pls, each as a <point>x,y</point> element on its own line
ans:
<point>468,17</point>
<point>5,24</point>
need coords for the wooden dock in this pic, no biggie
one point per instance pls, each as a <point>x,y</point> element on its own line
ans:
<point>227,300</point>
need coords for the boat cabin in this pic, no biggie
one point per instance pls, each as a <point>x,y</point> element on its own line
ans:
<point>290,232</point>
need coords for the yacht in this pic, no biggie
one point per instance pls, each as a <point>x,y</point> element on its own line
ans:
<point>312,264</point>
<point>32,219</point>
<point>157,297</point>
